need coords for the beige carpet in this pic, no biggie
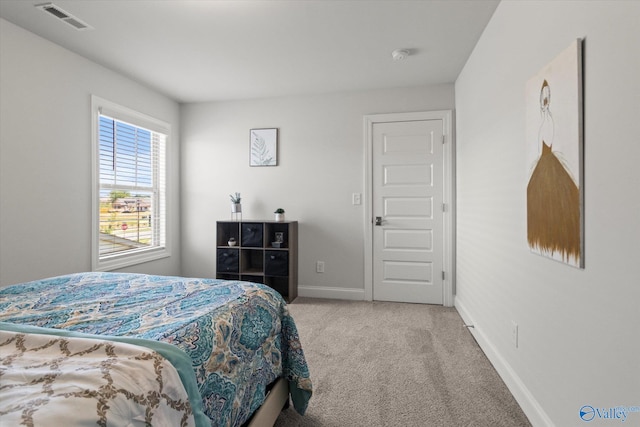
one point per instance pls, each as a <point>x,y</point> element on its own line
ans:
<point>391,364</point>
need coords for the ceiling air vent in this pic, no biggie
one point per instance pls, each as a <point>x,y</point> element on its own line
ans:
<point>66,17</point>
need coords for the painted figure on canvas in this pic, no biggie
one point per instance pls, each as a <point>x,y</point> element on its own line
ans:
<point>554,153</point>
<point>553,198</point>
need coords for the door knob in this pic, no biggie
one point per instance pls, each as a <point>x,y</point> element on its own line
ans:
<point>378,220</point>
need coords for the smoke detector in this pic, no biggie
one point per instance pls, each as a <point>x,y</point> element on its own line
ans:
<point>64,16</point>
<point>400,54</point>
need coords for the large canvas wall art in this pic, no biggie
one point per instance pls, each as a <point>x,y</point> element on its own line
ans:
<point>554,140</point>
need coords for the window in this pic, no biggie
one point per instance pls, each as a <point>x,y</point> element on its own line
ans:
<point>130,200</point>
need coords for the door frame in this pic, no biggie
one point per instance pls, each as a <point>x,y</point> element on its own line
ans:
<point>448,196</point>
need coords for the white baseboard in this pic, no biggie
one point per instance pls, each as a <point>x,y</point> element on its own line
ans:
<point>537,416</point>
<point>354,294</point>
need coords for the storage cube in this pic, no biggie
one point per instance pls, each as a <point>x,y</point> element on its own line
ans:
<point>228,260</point>
<point>251,234</point>
<point>276,263</point>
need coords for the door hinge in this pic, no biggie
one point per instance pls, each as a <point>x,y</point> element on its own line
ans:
<point>443,275</point>
<point>444,207</point>
<point>444,139</point>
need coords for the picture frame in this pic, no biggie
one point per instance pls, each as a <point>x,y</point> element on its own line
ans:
<point>555,159</point>
<point>263,147</point>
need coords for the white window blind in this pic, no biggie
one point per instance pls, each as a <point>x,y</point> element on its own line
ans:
<point>131,183</point>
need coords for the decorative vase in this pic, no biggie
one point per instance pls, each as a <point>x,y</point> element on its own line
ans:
<point>232,242</point>
<point>279,217</point>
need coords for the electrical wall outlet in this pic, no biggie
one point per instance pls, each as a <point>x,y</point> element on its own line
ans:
<point>356,198</point>
<point>514,334</point>
<point>319,266</point>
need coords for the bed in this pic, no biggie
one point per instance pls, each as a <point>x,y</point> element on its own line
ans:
<point>217,353</point>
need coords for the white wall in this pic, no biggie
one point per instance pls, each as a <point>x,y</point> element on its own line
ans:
<point>321,163</point>
<point>45,156</point>
<point>578,342</point>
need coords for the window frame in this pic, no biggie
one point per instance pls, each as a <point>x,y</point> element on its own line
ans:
<point>100,106</point>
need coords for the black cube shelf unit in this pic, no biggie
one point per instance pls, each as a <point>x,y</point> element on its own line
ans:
<point>257,256</point>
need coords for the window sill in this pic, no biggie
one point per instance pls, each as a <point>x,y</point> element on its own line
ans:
<point>115,262</point>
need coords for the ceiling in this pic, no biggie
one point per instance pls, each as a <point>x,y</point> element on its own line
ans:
<point>210,50</point>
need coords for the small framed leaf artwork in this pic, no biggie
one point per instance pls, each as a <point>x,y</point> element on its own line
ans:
<point>263,147</point>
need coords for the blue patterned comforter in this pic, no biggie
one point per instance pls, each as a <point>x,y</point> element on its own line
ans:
<point>239,335</point>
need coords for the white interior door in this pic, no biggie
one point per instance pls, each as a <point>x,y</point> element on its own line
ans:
<point>407,197</point>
